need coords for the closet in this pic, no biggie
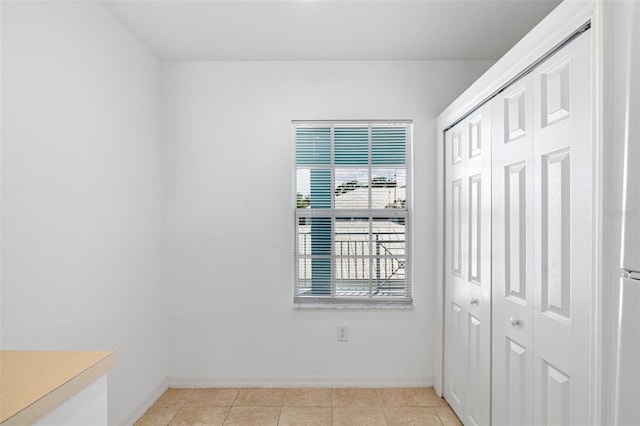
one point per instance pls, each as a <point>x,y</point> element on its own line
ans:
<point>519,222</point>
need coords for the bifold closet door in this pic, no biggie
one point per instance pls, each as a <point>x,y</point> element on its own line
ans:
<point>467,361</point>
<point>563,220</point>
<point>513,271</point>
<point>542,228</point>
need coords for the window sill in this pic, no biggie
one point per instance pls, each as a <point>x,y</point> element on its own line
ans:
<point>347,305</point>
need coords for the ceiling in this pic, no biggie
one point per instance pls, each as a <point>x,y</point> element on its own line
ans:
<point>268,30</point>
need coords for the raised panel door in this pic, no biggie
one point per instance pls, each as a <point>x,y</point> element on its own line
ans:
<point>512,255</point>
<point>563,227</point>
<point>456,267</point>
<point>468,268</point>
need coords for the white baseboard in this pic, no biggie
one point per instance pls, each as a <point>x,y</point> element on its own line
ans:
<point>287,382</point>
<point>147,403</point>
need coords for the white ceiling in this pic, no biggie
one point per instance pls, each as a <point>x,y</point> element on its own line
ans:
<point>241,30</point>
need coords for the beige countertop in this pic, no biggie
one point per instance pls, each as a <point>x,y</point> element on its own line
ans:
<point>33,383</point>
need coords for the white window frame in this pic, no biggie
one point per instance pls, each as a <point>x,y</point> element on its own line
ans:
<point>332,300</point>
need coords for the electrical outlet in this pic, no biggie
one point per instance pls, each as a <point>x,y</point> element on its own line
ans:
<point>343,333</point>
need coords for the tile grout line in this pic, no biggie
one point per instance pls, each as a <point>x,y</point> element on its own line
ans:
<point>435,405</point>
<point>284,394</point>
<point>233,403</point>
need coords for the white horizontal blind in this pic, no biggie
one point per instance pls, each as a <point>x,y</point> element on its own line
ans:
<point>352,212</point>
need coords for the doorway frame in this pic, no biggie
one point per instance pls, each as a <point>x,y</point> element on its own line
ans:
<point>558,26</point>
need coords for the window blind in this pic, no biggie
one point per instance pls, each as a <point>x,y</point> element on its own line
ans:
<point>352,212</point>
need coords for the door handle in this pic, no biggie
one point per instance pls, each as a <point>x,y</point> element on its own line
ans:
<point>475,301</point>
<point>514,321</point>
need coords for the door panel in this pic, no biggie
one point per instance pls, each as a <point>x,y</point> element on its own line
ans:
<point>456,268</point>
<point>468,268</point>
<point>515,195</point>
<point>555,205</point>
<point>555,396</point>
<point>457,375</point>
<point>516,382</point>
<point>456,223</point>
<point>475,346</point>
<point>512,255</point>
<point>478,284</point>
<point>542,223</point>
<point>475,229</point>
<point>564,223</point>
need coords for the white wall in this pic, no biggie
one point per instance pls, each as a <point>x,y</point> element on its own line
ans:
<point>230,221</point>
<point>82,193</point>
<point>616,24</point>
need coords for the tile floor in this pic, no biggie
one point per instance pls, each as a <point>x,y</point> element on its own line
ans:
<point>299,406</point>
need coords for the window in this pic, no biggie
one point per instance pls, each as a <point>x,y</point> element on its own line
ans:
<point>352,212</point>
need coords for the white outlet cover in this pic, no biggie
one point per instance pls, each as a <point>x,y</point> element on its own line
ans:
<point>343,333</point>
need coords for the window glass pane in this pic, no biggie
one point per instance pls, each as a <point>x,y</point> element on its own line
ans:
<point>388,188</point>
<point>320,232</point>
<point>351,188</point>
<point>319,188</point>
<point>304,236</point>
<point>314,238</point>
<point>320,276</point>
<point>388,145</point>
<point>313,188</point>
<point>314,276</point>
<point>389,276</point>
<point>304,275</point>
<point>352,236</point>
<point>352,240</point>
<point>389,236</point>
<point>389,241</point>
<point>353,276</point>
<point>313,146</point>
<point>351,146</point>
<point>303,188</point>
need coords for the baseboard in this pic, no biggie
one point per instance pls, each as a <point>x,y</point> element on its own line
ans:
<point>288,382</point>
<point>147,403</point>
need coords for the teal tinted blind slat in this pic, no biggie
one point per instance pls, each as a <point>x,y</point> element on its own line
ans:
<point>320,189</point>
<point>313,146</point>
<point>352,146</point>
<point>388,145</point>
<point>320,235</point>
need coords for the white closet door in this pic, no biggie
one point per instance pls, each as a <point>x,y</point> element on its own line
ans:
<point>542,225</point>
<point>563,226</point>
<point>468,268</point>
<point>513,273</point>
<point>456,233</point>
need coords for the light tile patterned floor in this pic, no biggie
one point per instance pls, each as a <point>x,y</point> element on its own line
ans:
<point>300,407</point>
